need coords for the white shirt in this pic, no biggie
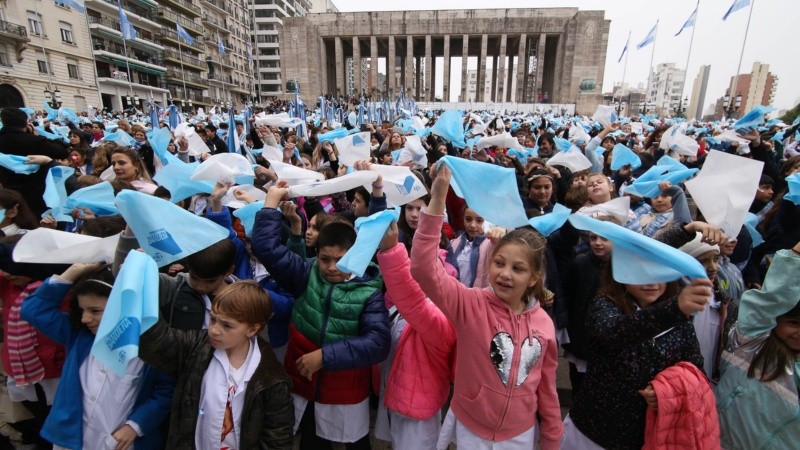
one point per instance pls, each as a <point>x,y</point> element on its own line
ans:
<point>337,423</point>
<point>107,399</point>
<point>217,381</point>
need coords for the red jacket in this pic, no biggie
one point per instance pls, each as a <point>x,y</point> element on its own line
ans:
<point>687,411</point>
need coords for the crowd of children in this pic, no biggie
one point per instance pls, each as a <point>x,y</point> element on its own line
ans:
<point>455,326</point>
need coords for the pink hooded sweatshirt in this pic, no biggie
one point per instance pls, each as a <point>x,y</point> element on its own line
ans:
<point>506,365</point>
<point>419,380</point>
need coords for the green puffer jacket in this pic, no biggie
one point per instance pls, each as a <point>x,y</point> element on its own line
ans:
<point>268,414</point>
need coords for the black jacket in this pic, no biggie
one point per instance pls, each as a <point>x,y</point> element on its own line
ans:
<point>217,145</point>
<point>581,282</point>
<point>268,414</point>
<point>16,142</point>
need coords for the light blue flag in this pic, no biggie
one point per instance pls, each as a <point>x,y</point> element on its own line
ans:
<point>638,259</point>
<point>689,22</point>
<point>52,136</point>
<point>70,115</point>
<point>671,162</point>
<point>232,138</point>
<point>370,232</point>
<point>646,186</point>
<point>128,31</point>
<point>737,5</point>
<point>650,38</point>
<point>51,113</point>
<point>521,155</point>
<point>176,178</point>
<point>120,137</point>
<point>174,117</point>
<point>132,308</point>
<point>625,49</point>
<point>28,111</point>
<point>750,224</point>
<point>778,137</point>
<point>794,189</point>
<point>220,47</point>
<point>450,127</point>
<point>159,139</point>
<point>562,145</point>
<point>16,164</point>
<point>622,156</point>
<point>338,133</point>
<point>98,198</point>
<point>77,5</point>
<point>55,192</point>
<point>550,222</point>
<point>489,190</point>
<point>166,231</point>
<point>753,118</point>
<point>183,34</point>
<point>247,215</point>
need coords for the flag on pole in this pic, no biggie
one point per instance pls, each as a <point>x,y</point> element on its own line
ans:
<point>154,116</point>
<point>651,36</point>
<point>624,50</point>
<point>183,34</point>
<point>737,5</point>
<point>232,138</point>
<point>689,22</point>
<point>77,5</point>
<point>220,47</point>
<point>128,32</point>
<point>250,53</point>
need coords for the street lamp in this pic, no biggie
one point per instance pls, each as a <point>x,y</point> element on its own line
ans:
<point>731,106</point>
<point>53,98</point>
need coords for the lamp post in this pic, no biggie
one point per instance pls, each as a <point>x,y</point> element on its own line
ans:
<point>732,105</point>
<point>132,101</point>
<point>53,98</point>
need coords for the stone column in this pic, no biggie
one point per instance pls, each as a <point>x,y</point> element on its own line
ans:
<point>540,68</point>
<point>357,67</point>
<point>390,64</point>
<point>340,87</point>
<point>409,87</point>
<point>558,69</point>
<point>428,67</point>
<point>446,87</point>
<point>510,70</point>
<point>501,66</point>
<point>323,64</point>
<point>481,88</point>
<point>495,76</point>
<point>420,91</point>
<point>522,63</point>
<point>464,61</point>
<point>373,54</point>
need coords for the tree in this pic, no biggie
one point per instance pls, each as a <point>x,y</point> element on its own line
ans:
<point>791,115</point>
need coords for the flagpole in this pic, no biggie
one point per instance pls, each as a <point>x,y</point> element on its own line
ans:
<point>624,70</point>
<point>183,73</point>
<point>652,56</point>
<point>688,56</point>
<point>733,94</point>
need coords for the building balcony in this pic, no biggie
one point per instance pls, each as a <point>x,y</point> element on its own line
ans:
<point>187,60</point>
<point>152,65</point>
<point>172,36</point>
<point>223,61</point>
<point>187,77</point>
<point>177,93</point>
<point>135,12</point>
<point>220,78</point>
<point>120,78</point>
<point>217,4</point>
<point>111,28</point>
<point>185,6</point>
<point>100,47</point>
<point>14,32</point>
<point>215,23</point>
<point>168,16</point>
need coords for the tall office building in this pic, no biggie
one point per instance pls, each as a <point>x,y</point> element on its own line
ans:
<point>268,16</point>
<point>45,54</point>
<point>665,89</point>
<point>698,98</point>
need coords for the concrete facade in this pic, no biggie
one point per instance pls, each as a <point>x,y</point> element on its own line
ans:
<point>665,89</point>
<point>44,46</point>
<point>557,51</point>
<point>698,97</point>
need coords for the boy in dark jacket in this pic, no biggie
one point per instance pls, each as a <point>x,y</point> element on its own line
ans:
<point>231,390</point>
<point>339,329</point>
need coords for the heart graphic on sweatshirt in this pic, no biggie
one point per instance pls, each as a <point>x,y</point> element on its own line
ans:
<point>502,352</point>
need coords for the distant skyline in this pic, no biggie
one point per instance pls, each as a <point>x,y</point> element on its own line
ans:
<point>716,42</point>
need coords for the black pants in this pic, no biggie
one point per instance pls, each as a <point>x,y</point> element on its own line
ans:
<point>310,441</point>
<point>30,428</point>
<point>575,378</point>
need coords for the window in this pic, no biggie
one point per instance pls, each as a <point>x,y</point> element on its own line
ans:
<point>66,33</point>
<point>72,69</point>
<point>35,23</point>
<point>4,58</point>
<point>42,66</point>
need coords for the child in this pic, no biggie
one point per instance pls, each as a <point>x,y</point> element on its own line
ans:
<point>416,377</point>
<point>339,328</point>
<point>15,216</point>
<point>233,391</point>
<point>94,407</point>
<point>506,368</point>
<point>667,207</point>
<point>470,251</point>
<point>758,392</point>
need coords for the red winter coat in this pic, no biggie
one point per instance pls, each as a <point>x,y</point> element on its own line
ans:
<point>687,411</point>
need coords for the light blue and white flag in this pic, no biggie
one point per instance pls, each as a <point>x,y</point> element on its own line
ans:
<point>220,47</point>
<point>625,49</point>
<point>370,232</point>
<point>737,5</point>
<point>77,5</point>
<point>689,22</point>
<point>650,38</point>
<point>183,34</point>
<point>128,31</point>
<point>132,308</point>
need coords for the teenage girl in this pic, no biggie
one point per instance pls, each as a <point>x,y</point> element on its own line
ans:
<point>505,372</point>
